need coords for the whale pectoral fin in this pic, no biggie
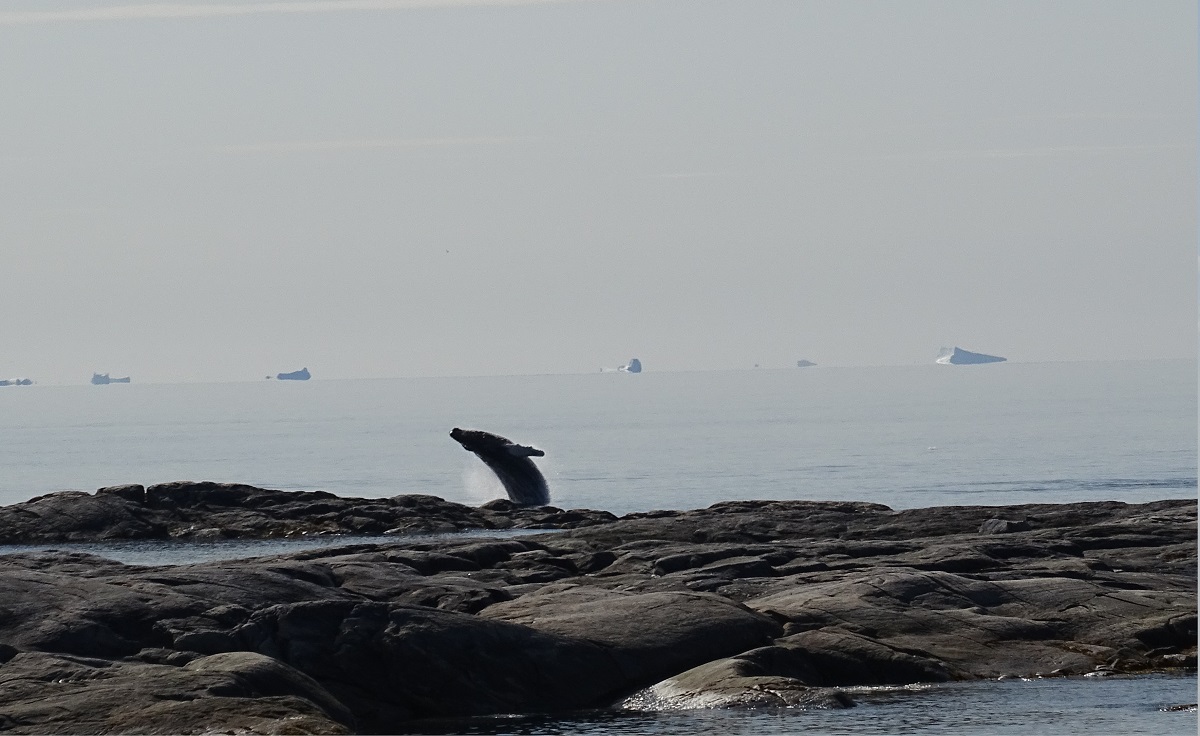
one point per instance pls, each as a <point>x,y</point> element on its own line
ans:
<point>523,451</point>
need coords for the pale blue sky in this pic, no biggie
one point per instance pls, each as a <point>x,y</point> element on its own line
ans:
<point>218,191</point>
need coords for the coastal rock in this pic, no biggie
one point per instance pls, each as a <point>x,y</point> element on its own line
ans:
<point>800,670</point>
<point>1003,526</point>
<point>742,604</point>
<point>989,628</point>
<point>734,682</point>
<point>271,677</point>
<point>76,516</point>
<point>651,635</point>
<point>214,511</point>
<point>57,693</point>
<point>392,662</point>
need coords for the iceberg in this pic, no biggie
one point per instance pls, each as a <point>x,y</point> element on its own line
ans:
<point>103,379</point>
<point>300,375</point>
<point>633,366</point>
<point>958,356</point>
<point>804,363</point>
<point>15,382</point>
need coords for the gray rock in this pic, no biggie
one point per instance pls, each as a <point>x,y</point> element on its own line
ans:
<point>742,604</point>
<point>1004,526</point>
<point>268,676</point>
<point>736,682</point>
<point>55,693</point>
<point>652,634</point>
<point>733,682</point>
<point>392,662</point>
<point>989,628</point>
<point>206,511</point>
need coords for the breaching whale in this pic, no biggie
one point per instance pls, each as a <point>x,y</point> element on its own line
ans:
<point>510,462</point>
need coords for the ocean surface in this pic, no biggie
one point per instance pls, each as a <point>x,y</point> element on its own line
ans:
<point>906,437</point>
<point>909,436</point>
<point>1077,706</point>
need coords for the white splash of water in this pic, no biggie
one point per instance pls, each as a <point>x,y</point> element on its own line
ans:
<point>481,484</point>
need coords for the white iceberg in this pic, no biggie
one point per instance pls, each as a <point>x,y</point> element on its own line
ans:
<point>633,366</point>
<point>958,356</point>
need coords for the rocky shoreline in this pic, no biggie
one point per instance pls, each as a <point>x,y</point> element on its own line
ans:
<point>207,511</point>
<point>742,604</point>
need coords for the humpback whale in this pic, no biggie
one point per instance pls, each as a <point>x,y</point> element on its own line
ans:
<point>510,462</point>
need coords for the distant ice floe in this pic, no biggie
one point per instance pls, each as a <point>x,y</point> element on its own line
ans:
<point>958,356</point>
<point>300,375</point>
<point>633,366</point>
<point>103,379</point>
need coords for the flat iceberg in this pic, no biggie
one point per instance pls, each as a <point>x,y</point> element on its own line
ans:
<point>958,356</point>
<point>103,379</point>
<point>300,375</point>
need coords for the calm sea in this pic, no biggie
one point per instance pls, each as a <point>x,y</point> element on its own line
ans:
<point>907,436</point>
<point>903,436</point>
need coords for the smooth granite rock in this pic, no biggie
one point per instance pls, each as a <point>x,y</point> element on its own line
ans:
<point>743,604</point>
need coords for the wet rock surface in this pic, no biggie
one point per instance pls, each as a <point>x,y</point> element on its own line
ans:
<point>743,604</point>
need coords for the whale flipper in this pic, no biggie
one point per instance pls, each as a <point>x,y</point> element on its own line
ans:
<point>523,451</point>
<point>510,462</point>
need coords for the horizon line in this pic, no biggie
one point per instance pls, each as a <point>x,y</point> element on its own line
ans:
<point>165,11</point>
<point>749,369</point>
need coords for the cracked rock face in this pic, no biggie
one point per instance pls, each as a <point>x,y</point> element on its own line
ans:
<point>743,604</point>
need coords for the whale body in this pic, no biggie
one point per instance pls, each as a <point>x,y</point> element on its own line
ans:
<point>510,462</point>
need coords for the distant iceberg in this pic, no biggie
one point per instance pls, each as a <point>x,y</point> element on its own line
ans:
<point>633,366</point>
<point>804,363</point>
<point>15,382</point>
<point>958,356</point>
<point>300,375</point>
<point>103,379</point>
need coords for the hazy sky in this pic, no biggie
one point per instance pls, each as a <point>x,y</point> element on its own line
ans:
<point>195,191</point>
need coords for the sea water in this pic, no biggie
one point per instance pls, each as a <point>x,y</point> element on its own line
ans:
<point>910,436</point>
<point>1081,706</point>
